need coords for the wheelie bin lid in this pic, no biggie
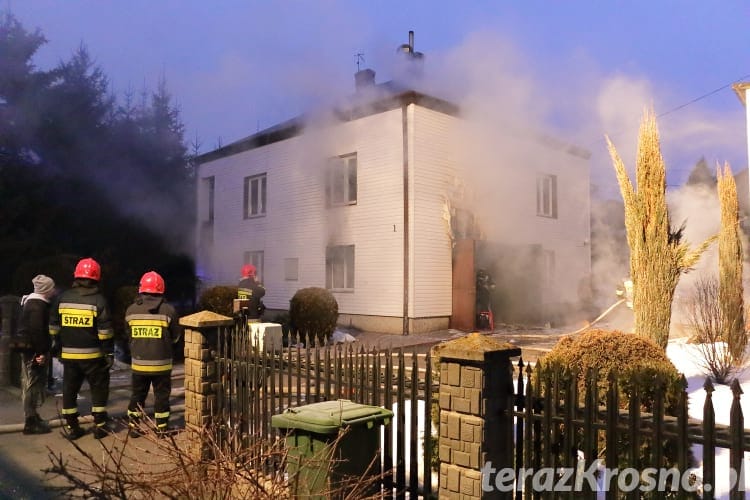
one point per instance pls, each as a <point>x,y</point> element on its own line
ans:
<point>327,417</point>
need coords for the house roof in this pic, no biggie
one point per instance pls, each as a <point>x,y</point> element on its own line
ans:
<point>377,99</point>
<point>374,99</point>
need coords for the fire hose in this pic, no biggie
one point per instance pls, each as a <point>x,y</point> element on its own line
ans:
<point>609,310</point>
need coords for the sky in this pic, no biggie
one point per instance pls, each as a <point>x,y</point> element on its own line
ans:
<point>577,70</point>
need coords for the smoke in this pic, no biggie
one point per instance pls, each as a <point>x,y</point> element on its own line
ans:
<point>520,121</point>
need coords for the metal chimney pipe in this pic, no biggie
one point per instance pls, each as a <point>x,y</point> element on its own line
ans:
<point>411,41</point>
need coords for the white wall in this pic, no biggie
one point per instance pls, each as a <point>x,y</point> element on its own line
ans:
<point>433,171</point>
<point>298,224</point>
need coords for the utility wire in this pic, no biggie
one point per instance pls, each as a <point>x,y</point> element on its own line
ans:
<point>715,91</point>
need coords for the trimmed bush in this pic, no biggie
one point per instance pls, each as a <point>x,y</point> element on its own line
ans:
<point>637,360</point>
<point>638,363</point>
<point>313,313</point>
<point>218,299</point>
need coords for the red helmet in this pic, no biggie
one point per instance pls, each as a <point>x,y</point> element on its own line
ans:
<point>88,268</point>
<point>152,282</point>
<point>248,271</point>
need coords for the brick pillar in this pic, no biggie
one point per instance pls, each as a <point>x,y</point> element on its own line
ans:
<point>476,420</point>
<point>201,331</point>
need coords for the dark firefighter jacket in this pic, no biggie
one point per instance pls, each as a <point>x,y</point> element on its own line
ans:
<point>153,329</point>
<point>80,320</point>
<point>250,289</point>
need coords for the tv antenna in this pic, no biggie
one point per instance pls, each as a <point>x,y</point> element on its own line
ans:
<point>360,58</point>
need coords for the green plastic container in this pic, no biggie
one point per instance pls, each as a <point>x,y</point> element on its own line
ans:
<point>330,446</point>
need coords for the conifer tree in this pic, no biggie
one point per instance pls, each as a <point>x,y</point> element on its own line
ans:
<point>657,253</point>
<point>730,265</point>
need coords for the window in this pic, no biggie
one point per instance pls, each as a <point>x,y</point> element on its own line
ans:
<point>255,196</point>
<point>341,180</point>
<point>256,259</point>
<point>548,257</point>
<point>207,199</point>
<point>340,267</point>
<point>291,269</point>
<point>546,196</point>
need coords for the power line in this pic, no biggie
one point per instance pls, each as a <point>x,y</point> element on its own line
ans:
<point>715,91</point>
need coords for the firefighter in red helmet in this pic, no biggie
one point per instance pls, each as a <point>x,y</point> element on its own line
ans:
<point>153,329</point>
<point>249,288</point>
<point>83,339</point>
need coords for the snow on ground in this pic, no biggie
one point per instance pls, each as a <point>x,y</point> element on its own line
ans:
<point>688,360</point>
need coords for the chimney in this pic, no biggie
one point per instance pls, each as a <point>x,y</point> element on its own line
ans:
<point>363,79</point>
<point>414,59</point>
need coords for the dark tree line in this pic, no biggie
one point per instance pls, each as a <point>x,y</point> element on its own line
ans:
<point>83,173</point>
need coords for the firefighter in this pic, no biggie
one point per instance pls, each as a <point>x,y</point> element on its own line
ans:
<point>83,339</point>
<point>153,329</point>
<point>251,289</point>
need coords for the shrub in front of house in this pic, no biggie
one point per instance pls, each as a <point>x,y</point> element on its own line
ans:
<point>639,364</point>
<point>313,313</point>
<point>218,299</point>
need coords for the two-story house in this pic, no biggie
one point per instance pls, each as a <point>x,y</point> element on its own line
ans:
<point>361,201</point>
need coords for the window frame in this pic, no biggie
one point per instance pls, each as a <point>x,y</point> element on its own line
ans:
<point>546,196</point>
<point>342,169</point>
<point>256,258</point>
<point>255,199</point>
<point>340,268</point>
<point>208,196</point>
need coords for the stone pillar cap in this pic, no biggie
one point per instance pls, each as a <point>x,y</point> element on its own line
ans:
<point>475,347</point>
<point>205,319</point>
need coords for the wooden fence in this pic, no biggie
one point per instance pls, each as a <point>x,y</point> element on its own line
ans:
<point>261,381</point>
<point>565,424</point>
<point>558,424</point>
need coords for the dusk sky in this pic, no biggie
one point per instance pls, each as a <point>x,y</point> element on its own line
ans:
<point>576,70</point>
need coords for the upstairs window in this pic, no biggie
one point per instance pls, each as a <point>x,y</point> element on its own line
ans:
<point>207,199</point>
<point>546,196</point>
<point>340,267</point>
<point>255,196</point>
<point>341,181</point>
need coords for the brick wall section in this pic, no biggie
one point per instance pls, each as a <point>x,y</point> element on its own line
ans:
<point>476,423</point>
<point>201,331</point>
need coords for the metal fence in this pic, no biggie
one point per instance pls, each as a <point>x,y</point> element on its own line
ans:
<point>259,381</point>
<point>566,427</point>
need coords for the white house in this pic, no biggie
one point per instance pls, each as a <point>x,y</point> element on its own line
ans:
<point>368,201</point>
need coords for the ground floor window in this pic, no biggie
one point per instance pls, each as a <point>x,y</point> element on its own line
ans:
<point>255,258</point>
<point>340,267</point>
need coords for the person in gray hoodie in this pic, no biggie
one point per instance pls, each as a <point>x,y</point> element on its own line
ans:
<point>34,328</point>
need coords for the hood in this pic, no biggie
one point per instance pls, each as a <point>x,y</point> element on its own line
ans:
<point>37,296</point>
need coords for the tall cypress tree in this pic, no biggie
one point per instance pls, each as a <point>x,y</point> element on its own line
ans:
<point>657,253</point>
<point>730,265</point>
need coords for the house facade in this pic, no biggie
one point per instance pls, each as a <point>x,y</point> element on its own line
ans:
<point>361,202</point>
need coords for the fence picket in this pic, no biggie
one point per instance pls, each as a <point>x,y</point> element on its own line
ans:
<point>737,431</point>
<point>519,404</point>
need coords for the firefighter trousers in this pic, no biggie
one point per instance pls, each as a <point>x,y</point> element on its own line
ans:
<point>141,383</point>
<point>96,373</point>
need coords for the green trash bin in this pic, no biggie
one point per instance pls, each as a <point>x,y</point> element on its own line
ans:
<point>319,462</point>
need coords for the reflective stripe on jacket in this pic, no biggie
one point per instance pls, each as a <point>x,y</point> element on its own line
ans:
<point>81,319</point>
<point>153,329</point>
